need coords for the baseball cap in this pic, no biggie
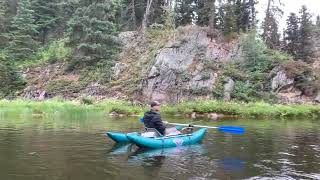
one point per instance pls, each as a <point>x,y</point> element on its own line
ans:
<point>155,103</point>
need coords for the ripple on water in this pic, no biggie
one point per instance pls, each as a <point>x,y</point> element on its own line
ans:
<point>287,162</point>
<point>287,154</point>
<point>270,178</point>
<point>315,147</point>
<point>294,147</point>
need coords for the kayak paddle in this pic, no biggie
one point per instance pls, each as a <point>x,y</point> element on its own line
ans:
<point>227,129</point>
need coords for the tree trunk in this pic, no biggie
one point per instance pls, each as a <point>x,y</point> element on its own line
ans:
<point>44,36</point>
<point>168,3</point>
<point>253,20</point>
<point>146,15</point>
<point>133,14</point>
<point>268,8</point>
<point>212,16</point>
<point>266,20</point>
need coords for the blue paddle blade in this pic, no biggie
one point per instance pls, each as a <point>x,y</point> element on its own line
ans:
<point>142,120</point>
<point>232,129</point>
<point>232,164</point>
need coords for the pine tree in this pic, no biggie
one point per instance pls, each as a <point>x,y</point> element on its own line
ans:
<point>291,36</point>
<point>145,20</point>
<point>3,24</point>
<point>252,17</point>
<point>12,7</point>
<point>212,18</point>
<point>9,79</point>
<point>140,7</point>
<point>129,14</point>
<point>236,16</point>
<point>305,34</point>
<point>169,15</point>
<point>270,26</point>
<point>318,21</point>
<point>270,34</point>
<point>91,32</point>
<point>66,9</point>
<point>46,15</point>
<point>220,19</point>
<point>3,7</point>
<point>184,10</point>
<point>134,12</point>
<point>202,10</point>
<point>230,21</point>
<point>240,15</point>
<point>247,16</point>
<point>22,30</point>
<point>283,42</point>
<point>157,12</point>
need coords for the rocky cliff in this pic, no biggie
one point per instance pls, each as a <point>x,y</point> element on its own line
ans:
<point>176,65</point>
<point>186,67</point>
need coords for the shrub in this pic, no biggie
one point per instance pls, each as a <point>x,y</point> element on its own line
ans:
<point>87,100</point>
<point>62,85</point>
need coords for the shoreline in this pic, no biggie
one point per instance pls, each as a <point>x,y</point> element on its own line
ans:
<point>194,109</point>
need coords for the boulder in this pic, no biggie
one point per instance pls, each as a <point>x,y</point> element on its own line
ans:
<point>280,81</point>
<point>317,99</point>
<point>118,69</point>
<point>228,88</point>
<point>126,37</point>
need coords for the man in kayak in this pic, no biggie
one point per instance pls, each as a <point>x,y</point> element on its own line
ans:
<point>152,119</point>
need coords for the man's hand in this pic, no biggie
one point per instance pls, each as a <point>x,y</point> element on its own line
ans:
<point>165,122</point>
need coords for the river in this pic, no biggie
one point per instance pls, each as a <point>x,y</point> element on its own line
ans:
<point>74,146</point>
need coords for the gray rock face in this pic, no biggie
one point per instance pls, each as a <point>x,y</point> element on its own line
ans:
<point>118,69</point>
<point>228,88</point>
<point>126,37</point>
<point>317,99</point>
<point>183,69</point>
<point>280,81</point>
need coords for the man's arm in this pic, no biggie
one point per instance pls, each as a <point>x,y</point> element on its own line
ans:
<point>159,124</point>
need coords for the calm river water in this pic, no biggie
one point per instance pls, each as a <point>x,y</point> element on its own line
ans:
<point>74,147</point>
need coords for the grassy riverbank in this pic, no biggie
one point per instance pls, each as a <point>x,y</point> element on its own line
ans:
<point>256,109</point>
<point>55,105</point>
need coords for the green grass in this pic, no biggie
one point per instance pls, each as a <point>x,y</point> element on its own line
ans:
<point>122,107</point>
<point>53,106</point>
<point>254,109</point>
<point>45,107</point>
<point>54,52</point>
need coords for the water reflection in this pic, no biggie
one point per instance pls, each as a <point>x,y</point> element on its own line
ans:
<point>168,162</point>
<point>232,164</point>
<point>121,148</point>
<point>186,162</point>
<point>169,152</point>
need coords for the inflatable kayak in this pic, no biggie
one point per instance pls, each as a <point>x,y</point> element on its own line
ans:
<point>167,141</point>
<point>122,138</point>
<point>119,137</point>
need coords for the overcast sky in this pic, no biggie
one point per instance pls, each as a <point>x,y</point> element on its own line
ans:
<point>288,7</point>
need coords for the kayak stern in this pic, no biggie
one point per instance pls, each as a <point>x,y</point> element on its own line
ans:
<point>168,141</point>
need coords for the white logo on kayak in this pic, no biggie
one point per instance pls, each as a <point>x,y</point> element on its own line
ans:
<point>178,142</point>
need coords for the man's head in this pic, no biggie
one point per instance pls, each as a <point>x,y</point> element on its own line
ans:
<point>155,106</point>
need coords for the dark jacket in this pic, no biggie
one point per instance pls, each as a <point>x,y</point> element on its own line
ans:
<point>153,120</point>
